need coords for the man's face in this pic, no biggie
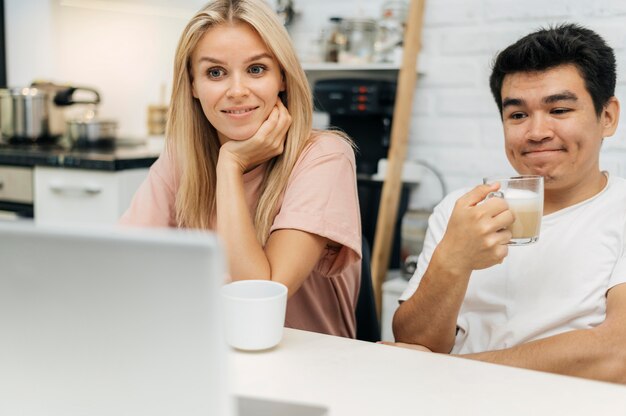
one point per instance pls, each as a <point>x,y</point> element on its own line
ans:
<point>551,127</point>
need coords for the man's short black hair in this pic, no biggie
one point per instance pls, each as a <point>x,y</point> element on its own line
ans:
<point>560,45</point>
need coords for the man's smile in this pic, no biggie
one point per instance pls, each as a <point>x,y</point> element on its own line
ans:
<point>542,152</point>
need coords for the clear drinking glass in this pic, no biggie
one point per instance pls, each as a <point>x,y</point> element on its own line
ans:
<point>524,195</point>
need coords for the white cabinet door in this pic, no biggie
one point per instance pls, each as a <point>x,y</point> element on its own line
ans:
<point>79,196</point>
<point>16,184</point>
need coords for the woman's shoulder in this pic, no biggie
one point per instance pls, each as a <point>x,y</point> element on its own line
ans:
<point>326,143</point>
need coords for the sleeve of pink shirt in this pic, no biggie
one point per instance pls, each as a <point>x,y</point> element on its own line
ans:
<point>153,203</point>
<point>321,198</point>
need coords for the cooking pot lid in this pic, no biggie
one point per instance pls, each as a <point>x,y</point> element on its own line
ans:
<point>93,121</point>
<point>23,91</point>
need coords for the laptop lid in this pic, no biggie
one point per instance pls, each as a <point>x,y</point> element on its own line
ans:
<point>110,322</point>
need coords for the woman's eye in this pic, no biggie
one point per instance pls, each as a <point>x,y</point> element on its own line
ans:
<point>215,72</point>
<point>257,69</point>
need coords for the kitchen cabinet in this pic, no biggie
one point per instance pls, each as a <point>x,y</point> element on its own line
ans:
<point>16,184</point>
<point>61,184</point>
<point>81,196</point>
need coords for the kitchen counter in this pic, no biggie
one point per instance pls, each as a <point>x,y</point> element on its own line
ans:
<point>58,183</point>
<point>350,377</point>
<point>122,156</point>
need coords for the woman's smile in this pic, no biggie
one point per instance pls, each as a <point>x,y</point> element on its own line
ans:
<point>239,112</point>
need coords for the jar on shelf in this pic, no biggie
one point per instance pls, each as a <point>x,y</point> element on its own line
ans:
<point>360,36</point>
<point>333,40</point>
<point>388,45</point>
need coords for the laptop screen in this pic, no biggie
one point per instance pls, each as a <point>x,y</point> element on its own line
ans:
<point>110,322</point>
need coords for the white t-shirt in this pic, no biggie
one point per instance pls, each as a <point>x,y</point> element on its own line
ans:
<point>556,285</point>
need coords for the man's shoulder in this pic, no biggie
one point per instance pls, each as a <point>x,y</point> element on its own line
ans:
<point>618,182</point>
<point>616,189</point>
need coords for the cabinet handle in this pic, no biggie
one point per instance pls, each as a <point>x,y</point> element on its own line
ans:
<point>1,185</point>
<point>88,190</point>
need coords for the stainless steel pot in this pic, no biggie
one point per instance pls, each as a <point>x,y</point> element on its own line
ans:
<point>24,114</point>
<point>92,132</point>
<point>36,113</point>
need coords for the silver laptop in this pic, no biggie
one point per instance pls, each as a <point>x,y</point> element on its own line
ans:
<point>110,322</point>
<point>114,322</point>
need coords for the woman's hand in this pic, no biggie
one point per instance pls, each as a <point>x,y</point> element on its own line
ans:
<point>266,143</point>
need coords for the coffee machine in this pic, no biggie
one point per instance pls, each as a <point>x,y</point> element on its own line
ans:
<point>363,108</point>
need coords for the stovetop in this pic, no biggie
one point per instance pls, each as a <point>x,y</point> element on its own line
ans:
<point>122,155</point>
<point>31,146</point>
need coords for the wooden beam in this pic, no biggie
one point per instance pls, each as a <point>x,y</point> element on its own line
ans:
<point>388,209</point>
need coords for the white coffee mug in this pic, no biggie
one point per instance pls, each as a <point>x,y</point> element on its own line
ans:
<point>254,313</point>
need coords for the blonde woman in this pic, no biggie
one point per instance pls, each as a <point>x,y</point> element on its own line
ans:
<point>241,159</point>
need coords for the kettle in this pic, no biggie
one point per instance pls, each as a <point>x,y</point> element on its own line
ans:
<point>35,113</point>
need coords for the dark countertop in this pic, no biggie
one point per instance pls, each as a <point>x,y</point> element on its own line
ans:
<point>122,156</point>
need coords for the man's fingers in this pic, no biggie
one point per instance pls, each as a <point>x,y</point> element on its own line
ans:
<point>504,219</point>
<point>478,194</point>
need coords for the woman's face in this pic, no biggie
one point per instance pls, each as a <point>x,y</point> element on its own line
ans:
<point>236,79</point>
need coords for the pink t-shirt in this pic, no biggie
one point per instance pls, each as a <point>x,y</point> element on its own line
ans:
<point>321,198</point>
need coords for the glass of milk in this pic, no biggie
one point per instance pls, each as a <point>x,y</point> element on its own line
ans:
<point>524,195</point>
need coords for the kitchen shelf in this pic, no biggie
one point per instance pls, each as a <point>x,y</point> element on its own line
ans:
<point>331,66</point>
<point>328,70</point>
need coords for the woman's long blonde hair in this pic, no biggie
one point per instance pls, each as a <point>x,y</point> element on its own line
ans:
<point>193,140</point>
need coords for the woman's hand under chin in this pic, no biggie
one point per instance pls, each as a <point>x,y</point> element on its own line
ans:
<point>266,143</point>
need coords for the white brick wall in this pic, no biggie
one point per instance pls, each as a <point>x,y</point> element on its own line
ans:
<point>455,122</point>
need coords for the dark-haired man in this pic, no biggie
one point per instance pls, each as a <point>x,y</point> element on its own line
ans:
<point>558,305</point>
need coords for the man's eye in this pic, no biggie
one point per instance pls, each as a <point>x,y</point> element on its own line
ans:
<point>215,72</point>
<point>561,110</point>
<point>517,116</point>
<point>257,69</point>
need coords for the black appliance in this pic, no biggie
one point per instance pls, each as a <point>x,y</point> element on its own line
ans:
<point>369,202</point>
<point>363,108</point>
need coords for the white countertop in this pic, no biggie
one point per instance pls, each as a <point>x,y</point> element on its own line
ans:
<point>359,378</point>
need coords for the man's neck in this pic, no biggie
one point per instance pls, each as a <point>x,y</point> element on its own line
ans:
<point>558,199</point>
